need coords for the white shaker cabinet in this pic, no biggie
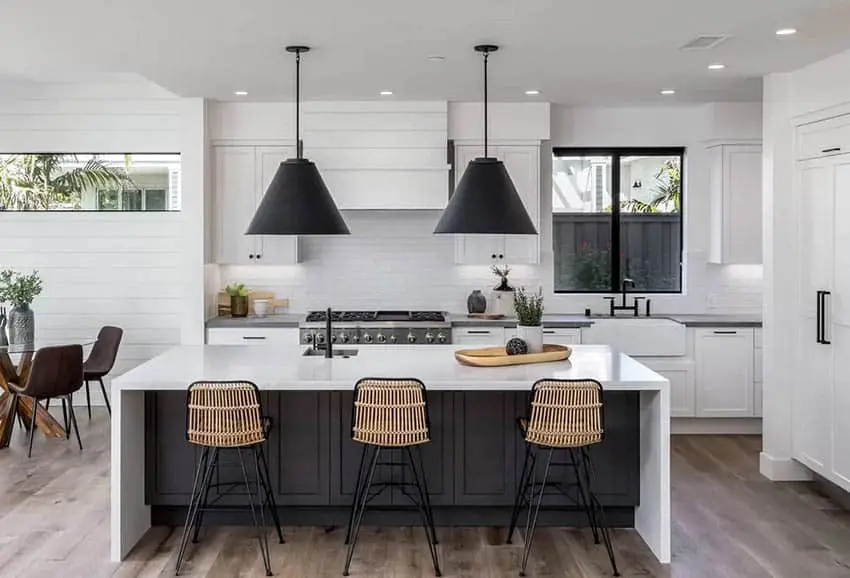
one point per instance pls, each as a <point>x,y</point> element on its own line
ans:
<point>523,165</point>
<point>241,175</point>
<point>252,336</point>
<point>483,336</point>
<point>724,372</point>
<point>735,201</point>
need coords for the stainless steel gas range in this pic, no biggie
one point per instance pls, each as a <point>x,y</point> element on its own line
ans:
<point>377,327</point>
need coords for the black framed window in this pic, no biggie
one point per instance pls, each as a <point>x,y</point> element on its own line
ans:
<point>617,213</point>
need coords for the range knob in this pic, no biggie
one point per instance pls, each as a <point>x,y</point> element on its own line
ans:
<point>320,338</point>
<point>429,337</point>
<point>411,338</point>
<point>308,338</point>
<point>441,337</point>
<point>333,338</point>
<point>367,338</point>
<point>355,338</point>
<point>343,337</point>
<point>381,338</point>
<point>393,339</point>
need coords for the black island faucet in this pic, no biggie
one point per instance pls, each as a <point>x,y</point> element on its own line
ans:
<point>633,307</point>
<point>328,341</point>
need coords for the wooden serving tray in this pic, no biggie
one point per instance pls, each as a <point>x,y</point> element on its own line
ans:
<point>496,356</point>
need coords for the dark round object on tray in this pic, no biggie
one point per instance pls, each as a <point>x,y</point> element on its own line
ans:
<point>516,346</point>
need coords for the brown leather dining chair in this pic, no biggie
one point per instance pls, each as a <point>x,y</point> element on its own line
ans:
<point>101,360</point>
<point>57,372</point>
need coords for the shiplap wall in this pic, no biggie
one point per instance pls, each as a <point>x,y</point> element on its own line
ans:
<point>123,269</point>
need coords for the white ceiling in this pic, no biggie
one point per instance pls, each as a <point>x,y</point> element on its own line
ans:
<point>573,51</point>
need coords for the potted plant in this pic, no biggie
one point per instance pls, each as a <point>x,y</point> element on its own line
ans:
<point>19,291</point>
<point>529,312</point>
<point>238,300</point>
<point>502,295</point>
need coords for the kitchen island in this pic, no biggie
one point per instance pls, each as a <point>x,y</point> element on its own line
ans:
<point>472,463</point>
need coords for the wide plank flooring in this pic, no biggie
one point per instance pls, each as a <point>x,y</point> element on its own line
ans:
<point>728,521</point>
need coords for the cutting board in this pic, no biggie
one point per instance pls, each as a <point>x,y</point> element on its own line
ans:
<point>224,302</point>
<point>496,356</point>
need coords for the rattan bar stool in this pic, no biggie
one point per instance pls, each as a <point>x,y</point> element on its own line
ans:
<point>220,416</point>
<point>564,415</point>
<point>390,416</point>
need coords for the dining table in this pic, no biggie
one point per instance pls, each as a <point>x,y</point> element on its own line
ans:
<point>18,373</point>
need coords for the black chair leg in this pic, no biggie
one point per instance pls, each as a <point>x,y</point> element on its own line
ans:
<point>600,512</point>
<point>533,512</point>
<point>47,404</point>
<point>356,499</point>
<point>520,492</point>
<point>32,425</point>
<point>88,398</point>
<point>66,419</point>
<point>424,505</point>
<point>105,397</point>
<point>74,422</point>
<point>267,487</point>
<point>262,536</point>
<point>424,490</point>
<point>204,492</point>
<point>201,474</point>
<point>360,508</point>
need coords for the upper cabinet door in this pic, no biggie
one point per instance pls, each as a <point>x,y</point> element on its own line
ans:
<point>736,207</point>
<point>234,191</point>
<point>475,249</point>
<point>817,239</point>
<point>840,301</point>
<point>523,165</point>
<point>273,250</point>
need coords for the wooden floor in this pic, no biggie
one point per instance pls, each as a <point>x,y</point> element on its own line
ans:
<point>727,522</point>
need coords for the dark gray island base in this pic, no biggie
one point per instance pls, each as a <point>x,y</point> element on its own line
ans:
<point>473,462</point>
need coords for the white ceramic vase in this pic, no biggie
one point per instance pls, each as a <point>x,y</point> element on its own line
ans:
<point>501,303</point>
<point>533,337</point>
<point>261,307</point>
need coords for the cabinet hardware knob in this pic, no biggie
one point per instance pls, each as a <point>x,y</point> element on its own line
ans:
<point>501,256</point>
<point>259,255</point>
<point>493,256</point>
<point>251,256</point>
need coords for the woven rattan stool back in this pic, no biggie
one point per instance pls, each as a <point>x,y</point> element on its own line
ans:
<point>390,413</point>
<point>224,414</point>
<point>565,413</point>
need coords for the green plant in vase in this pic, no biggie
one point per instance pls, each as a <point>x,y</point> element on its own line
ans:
<point>529,312</point>
<point>238,300</point>
<point>19,291</point>
<point>501,297</point>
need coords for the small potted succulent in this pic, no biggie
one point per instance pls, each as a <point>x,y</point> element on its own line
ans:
<point>502,295</point>
<point>19,291</point>
<point>529,312</point>
<point>238,300</point>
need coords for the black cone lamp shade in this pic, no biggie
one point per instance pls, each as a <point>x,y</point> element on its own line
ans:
<point>485,201</point>
<point>297,202</point>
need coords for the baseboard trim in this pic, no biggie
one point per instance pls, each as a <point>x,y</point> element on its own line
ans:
<point>712,426</point>
<point>783,469</point>
<point>833,492</point>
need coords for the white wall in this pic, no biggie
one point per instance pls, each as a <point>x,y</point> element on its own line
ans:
<point>123,269</point>
<point>392,260</point>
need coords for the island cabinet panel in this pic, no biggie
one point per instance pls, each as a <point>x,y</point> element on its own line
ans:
<point>485,448</point>
<point>346,454</point>
<point>170,459</point>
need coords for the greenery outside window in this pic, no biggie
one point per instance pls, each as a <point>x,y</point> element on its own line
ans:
<point>617,214</point>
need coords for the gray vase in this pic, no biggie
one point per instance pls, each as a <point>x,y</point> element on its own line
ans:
<point>476,302</point>
<point>21,325</point>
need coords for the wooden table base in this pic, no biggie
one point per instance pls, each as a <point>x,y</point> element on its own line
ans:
<point>43,420</point>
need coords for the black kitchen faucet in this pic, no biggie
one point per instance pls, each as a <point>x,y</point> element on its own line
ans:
<point>633,307</point>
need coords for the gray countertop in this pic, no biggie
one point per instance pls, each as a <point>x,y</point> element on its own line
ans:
<point>461,320</point>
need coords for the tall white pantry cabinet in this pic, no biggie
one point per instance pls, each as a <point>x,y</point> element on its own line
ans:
<point>821,398</point>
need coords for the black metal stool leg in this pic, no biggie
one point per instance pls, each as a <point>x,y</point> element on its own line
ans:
<point>424,490</point>
<point>262,536</point>
<point>361,508</point>
<point>533,511</point>
<point>194,500</point>
<point>356,498</point>
<point>267,486</point>
<point>520,493</point>
<point>603,525</point>
<point>583,494</point>
<point>425,509</point>
<point>204,493</point>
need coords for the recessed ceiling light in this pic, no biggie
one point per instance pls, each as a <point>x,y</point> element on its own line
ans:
<point>436,58</point>
<point>716,66</point>
<point>668,91</point>
<point>240,93</point>
<point>532,92</point>
<point>386,93</point>
<point>786,31</point>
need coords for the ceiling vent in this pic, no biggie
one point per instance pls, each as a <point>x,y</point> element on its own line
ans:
<point>706,42</point>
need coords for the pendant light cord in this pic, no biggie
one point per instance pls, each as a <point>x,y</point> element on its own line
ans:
<point>298,151</point>
<point>486,57</point>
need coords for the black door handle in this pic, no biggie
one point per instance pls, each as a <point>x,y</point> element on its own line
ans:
<point>819,317</point>
<point>824,295</point>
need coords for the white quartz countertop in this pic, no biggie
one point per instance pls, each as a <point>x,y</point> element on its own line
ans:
<point>278,367</point>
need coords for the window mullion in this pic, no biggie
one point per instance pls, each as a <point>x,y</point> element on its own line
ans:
<point>615,222</point>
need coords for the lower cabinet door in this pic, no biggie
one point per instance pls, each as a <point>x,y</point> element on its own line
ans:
<point>724,372</point>
<point>840,338</point>
<point>483,336</point>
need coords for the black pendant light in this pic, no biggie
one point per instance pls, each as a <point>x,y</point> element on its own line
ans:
<point>485,200</point>
<point>297,201</point>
